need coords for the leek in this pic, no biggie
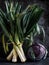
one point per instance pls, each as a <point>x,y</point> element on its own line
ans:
<point>21,24</point>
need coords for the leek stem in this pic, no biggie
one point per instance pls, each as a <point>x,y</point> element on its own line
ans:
<point>21,49</point>
<point>21,56</point>
<point>14,59</point>
<point>9,57</point>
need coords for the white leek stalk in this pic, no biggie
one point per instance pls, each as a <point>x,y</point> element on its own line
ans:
<point>9,57</point>
<point>14,59</point>
<point>20,54</point>
<point>13,56</point>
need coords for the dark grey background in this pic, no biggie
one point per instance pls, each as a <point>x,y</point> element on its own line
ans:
<point>44,21</point>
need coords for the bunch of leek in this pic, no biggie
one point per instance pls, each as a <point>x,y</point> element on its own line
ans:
<point>17,25</point>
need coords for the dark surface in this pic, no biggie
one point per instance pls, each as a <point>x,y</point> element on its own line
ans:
<point>42,62</point>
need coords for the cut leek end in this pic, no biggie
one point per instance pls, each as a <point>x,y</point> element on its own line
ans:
<point>9,57</point>
<point>14,59</point>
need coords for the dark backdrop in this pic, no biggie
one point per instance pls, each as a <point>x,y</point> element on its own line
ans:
<point>44,20</point>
